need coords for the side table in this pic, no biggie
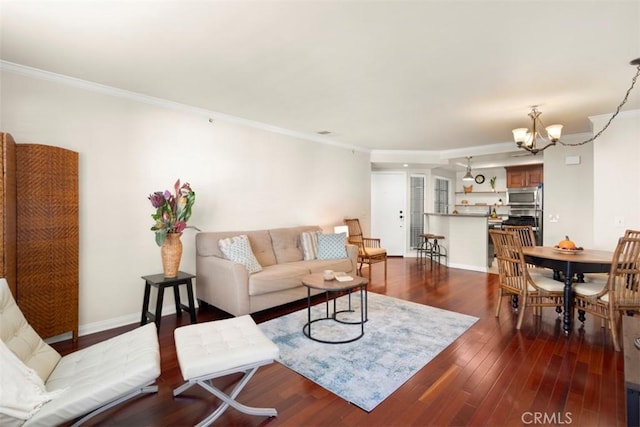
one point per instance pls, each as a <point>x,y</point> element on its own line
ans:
<point>317,281</point>
<point>160,282</point>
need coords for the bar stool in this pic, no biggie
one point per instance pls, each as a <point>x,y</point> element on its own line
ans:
<point>423,248</point>
<point>431,248</point>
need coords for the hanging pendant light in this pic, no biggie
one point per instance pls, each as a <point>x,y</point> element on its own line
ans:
<point>468,177</point>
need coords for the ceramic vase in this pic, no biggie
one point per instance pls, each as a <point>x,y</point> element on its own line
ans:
<point>171,252</point>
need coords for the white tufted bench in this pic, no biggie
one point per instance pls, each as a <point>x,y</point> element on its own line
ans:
<point>215,349</point>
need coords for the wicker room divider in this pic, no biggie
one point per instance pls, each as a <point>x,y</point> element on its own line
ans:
<point>8,212</point>
<point>47,238</point>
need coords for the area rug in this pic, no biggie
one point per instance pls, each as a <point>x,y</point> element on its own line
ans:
<point>400,338</point>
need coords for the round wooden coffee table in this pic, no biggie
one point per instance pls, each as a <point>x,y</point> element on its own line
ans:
<point>331,288</point>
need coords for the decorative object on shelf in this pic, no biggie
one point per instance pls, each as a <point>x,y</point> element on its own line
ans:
<point>528,139</point>
<point>171,216</point>
<point>467,176</point>
<point>467,188</point>
<point>492,183</point>
<point>479,179</point>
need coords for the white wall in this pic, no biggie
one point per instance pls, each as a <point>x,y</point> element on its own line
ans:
<point>616,202</point>
<point>244,178</point>
<point>568,193</point>
<point>588,198</point>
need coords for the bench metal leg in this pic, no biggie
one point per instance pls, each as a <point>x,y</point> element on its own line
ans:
<point>228,400</point>
<point>149,388</point>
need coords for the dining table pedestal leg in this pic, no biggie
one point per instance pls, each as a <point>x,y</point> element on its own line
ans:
<point>568,298</point>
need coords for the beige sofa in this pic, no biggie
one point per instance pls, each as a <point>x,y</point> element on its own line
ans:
<point>228,285</point>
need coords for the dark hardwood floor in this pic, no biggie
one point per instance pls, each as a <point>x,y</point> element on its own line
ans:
<point>492,375</point>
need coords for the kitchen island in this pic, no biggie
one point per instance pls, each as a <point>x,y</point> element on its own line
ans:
<point>466,238</point>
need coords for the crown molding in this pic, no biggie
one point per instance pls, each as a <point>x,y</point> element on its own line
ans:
<point>159,102</point>
<point>629,114</point>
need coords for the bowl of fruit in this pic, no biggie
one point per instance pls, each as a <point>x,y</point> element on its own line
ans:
<point>567,246</point>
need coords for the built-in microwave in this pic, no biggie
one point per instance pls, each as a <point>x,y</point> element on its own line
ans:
<point>525,196</point>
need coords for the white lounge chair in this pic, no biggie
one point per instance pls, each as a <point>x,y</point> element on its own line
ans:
<point>38,387</point>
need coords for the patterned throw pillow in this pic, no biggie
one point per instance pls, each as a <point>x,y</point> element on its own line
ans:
<point>332,246</point>
<point>309,243</point>
<point>238,249</point>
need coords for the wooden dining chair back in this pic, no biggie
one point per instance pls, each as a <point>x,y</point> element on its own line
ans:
<point>369,248</point>
<point>515,279</point>
<point>625,283</point>
<point>528,238</point>
<point>524,232</point>
<point>634,234</point>
<point>619,293</point>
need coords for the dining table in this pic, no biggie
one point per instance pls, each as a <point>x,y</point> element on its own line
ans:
<point>570,262</point>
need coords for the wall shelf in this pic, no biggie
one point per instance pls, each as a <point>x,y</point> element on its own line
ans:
<point>471,205</point>
<point>484,192</point>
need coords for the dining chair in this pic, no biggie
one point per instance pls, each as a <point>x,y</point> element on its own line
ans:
<point>515,279</point>
<point>524,232</point>
<point>602,277</point>
<point>369,250</point>
<point>528,238</point>
<point>618,293</point>
<point>632,233</point>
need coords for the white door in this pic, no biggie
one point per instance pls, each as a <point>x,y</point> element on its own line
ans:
<point>389,210</point>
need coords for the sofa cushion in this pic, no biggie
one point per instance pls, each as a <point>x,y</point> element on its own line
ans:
<point>332,246</point>
<point>309,243</point>
<point>238,249</point>
<point>207,244</point>
<point>262,248</point>
<point>319,265</point>
<point>286,243</point>
<point>276,278</point>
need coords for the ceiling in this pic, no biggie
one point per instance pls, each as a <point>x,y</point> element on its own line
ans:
<point>448,77</point>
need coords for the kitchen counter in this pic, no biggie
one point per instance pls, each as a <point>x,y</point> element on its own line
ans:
<point>466,238</point>
<point>484,215</point>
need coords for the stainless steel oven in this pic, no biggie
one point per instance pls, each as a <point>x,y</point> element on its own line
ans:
<point>529,197</point>
<point>525,208</point>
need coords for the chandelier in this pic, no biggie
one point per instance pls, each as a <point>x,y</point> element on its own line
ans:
<point>528,139</point>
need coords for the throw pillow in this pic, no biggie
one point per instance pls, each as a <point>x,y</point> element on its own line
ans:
<point>22,392</point>
<point>332,246</point>
<point>238,249</point>
<point>309,243</point>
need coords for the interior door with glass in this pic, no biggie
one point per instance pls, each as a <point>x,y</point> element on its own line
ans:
<point>389,210</point>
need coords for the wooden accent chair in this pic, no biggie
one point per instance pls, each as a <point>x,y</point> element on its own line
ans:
<point>619,292</point>
<point>369,250</point>
<point>515,279</point>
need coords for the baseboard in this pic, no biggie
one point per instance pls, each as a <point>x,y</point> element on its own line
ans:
<point>105,325</point>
